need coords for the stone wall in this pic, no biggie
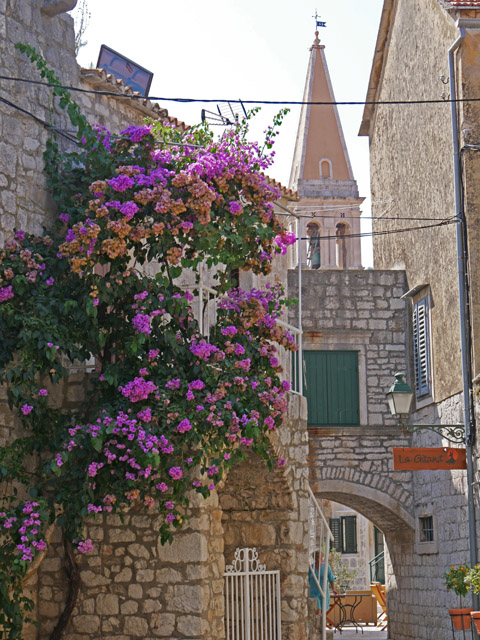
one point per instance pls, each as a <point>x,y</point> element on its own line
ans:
<point>269,511</point>
<point>360,311</point>
<point>412,173</point>
<point>353,466</point>
<point>133,587</point>
<point>24,199</point>
<point>130,585</point>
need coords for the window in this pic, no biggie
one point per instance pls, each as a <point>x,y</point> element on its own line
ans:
<point>332,388</point>
<point>421,348</point>
<point>426,529</point>
<point>344,531</point>
<point>426,532</point>
<point>325,168</point>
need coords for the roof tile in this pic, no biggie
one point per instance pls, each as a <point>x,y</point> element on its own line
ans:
<point>464,3</point>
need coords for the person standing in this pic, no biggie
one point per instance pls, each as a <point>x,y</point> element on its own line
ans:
<point>314,588</point>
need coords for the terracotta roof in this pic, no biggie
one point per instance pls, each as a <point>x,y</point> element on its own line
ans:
<point>104,81</point>
<point>290,194</point>
<point>464,3</point>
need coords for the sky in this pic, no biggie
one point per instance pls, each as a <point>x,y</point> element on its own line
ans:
<point>248,50</point>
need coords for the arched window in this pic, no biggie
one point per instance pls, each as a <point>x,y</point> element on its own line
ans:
<point>342,247</point>
<point>325,168</point>
<point>313,248</point>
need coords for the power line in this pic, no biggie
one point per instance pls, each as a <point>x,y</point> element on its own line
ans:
<point>44,123</point>
<point>351,235</point>
<point>311,216</point>
<point>138,96</point>
<point>369,234</point>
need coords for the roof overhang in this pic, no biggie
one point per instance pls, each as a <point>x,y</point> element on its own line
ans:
<point>466,13</point>
<point>377,65</point>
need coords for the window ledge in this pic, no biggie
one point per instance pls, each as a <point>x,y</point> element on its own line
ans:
<point>371,430</point>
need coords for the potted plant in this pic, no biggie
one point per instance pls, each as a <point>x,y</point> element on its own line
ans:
<point>473,584</point>
<point>344,575</point>
<point>455,579</point>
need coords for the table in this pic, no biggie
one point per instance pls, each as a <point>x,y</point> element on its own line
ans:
<point>346,610</point>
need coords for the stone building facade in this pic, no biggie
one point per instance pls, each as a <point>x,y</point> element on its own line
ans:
<point>132,587</point>
<point>370,313</point>
<point>414,168</point>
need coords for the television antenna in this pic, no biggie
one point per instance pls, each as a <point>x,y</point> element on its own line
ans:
<point>224,117</point>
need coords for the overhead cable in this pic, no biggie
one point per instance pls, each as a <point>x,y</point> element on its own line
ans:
<point>136,95</point>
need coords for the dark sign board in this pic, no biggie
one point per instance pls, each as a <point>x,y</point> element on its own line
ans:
<point>134,76</point>
<point>416,458</point>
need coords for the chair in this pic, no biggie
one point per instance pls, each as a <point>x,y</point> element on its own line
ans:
<point>378,591</point>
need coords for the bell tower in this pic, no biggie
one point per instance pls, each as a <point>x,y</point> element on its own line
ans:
<point>329,204</point>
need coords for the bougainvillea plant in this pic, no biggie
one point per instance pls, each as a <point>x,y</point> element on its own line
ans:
<point>168,409</point>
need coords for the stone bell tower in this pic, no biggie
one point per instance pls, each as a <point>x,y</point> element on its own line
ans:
<point>321,173</point>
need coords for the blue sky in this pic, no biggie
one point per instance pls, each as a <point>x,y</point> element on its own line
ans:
<point>250,50</point>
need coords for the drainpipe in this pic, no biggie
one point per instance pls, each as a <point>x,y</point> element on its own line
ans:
<point>300,324</point>
<point>464,308</point>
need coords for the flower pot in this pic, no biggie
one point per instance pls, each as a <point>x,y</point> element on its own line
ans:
<point>461,618</point>
<point>475,615</point>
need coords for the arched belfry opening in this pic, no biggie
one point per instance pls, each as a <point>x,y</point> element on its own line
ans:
<point>342,232</point>
<point>313,248</point>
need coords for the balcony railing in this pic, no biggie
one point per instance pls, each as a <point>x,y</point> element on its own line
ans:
<point>205,306</point>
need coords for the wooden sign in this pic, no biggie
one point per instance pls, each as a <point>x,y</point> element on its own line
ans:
<point>416,458</point>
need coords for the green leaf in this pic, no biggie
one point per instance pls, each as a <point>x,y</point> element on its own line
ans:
<point>97,443</point>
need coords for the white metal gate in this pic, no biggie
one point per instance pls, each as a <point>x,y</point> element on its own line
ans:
<point>252,599</point>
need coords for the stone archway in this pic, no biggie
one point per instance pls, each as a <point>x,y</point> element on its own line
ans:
<point>385,511</point>
<point>397,524</point>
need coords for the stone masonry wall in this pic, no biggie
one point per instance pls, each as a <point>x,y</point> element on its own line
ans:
<point>269,511</point>
<point>411,172</point>
<point>133,587</point>
<point>361,311</point>
<point>441,494</point>
<point>24,199</point>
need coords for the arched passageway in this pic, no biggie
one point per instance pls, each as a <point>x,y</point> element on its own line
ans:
<point>397,524</point>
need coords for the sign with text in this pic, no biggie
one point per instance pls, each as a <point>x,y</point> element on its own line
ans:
<point>417,458</point>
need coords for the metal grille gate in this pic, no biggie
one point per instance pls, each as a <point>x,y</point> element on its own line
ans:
<point>252,599</point>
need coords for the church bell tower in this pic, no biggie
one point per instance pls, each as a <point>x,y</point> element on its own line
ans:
<point>329,204</point>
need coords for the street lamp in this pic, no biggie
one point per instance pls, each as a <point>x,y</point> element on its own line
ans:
<point>400,397</point>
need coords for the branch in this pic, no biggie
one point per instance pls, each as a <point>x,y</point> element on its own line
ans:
<point>73,573</point>
<point>41,556</point>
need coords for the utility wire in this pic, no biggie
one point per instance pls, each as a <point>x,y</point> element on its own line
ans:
<point>369,234</point>
<point>443,222</point>
<point>44,123</point>
<point>311,216</point>
<point>138,96</point>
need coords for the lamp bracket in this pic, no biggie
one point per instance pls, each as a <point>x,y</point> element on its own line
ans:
<point>452,432</point>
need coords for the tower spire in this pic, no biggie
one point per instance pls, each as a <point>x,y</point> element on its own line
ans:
<point>321,170</point>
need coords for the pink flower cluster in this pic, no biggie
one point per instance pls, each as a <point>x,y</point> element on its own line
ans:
<point>25,528</point>
<point>138,389</point>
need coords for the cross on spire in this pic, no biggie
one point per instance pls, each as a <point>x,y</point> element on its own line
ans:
<point>318,23</point>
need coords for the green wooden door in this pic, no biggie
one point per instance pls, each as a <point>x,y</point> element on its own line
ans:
<point>332,388</point>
